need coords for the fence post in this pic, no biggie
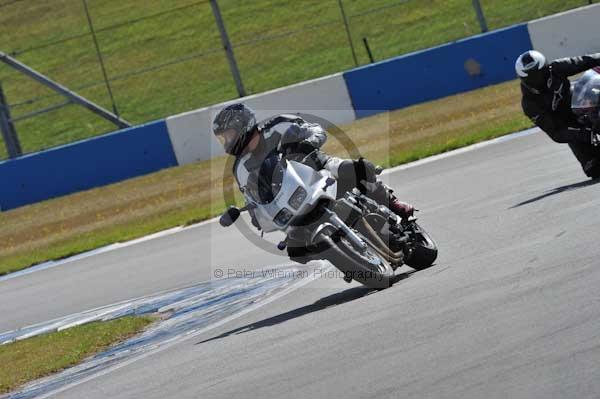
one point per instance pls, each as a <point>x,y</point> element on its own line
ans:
<point>9,134</point>
<point>480,16</point>
<point>227,47</point>
<point>100,59</point>
<point>348,33</point>
<point>368,48</point>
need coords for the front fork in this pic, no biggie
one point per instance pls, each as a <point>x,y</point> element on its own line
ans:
<point>350,234</point>
<point>332,222</point>
<point>337,224</point>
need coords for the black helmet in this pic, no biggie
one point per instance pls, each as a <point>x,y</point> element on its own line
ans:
<point>233,126</point>
<point>531,67</point>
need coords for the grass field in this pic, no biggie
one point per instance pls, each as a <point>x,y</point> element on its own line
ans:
<point>176,196</point>
<point>283,42</point>
<point>32,358</point>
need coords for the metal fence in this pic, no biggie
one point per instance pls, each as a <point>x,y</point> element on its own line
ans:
<point>147,59</point>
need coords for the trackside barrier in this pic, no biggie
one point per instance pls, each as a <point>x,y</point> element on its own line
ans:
<point>437,72</point>
<point>567,34</point>
<point>86,164</point>
<point>422,76</point>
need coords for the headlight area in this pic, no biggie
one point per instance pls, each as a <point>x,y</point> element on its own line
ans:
<point>283,217</point>
<point>297,198</point>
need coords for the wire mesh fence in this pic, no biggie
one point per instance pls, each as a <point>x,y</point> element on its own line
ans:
<point>162,58</point>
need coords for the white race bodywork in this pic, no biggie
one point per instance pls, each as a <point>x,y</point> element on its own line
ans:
<point>295,175</point>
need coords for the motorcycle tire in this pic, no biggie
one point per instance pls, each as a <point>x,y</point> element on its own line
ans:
<point>425,251</point>
<point>366,268</point>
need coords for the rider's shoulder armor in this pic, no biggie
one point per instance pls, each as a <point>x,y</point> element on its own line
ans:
<point>268,124</point>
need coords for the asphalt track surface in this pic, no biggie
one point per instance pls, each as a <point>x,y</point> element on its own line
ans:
<point>512,308</point>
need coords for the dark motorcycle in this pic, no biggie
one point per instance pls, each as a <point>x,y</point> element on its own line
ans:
<point>585,104</point>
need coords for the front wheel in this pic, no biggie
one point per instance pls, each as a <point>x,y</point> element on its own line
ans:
<point>368,268</point>
<point>425,251</point>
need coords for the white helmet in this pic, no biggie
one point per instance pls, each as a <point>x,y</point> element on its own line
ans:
<point>528,62</point>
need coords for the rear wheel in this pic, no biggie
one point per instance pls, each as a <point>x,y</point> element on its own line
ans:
<point>425,251</point>
<point>367,267</point>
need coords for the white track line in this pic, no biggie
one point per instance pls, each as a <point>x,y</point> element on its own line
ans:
<point>175,230</point>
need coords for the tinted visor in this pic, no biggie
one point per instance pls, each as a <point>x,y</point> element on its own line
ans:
<point>228,139</point>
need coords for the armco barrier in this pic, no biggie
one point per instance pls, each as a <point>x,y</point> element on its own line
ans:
<point>567,34</point>
<point>327,98</point>
<point>438,72</point>
<point>85,164</point>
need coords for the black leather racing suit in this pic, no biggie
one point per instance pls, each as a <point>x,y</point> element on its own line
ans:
<point>550,107</point>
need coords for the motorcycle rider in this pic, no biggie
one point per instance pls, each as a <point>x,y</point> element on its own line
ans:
<point>546,100</point>
<point>251,143</point>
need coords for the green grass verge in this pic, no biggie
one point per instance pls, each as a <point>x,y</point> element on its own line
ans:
<point>108,235</point>
<point>32,358</point>
<point>441,145</point>
<point>393,27</point>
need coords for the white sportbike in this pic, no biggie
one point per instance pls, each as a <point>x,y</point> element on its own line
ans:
<point>365,240</point>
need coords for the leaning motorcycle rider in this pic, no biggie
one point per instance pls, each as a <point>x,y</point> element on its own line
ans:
<point>235,126</point>
<point>546,100</point>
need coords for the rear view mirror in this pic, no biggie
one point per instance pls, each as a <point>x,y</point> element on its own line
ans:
<point>229,216</point>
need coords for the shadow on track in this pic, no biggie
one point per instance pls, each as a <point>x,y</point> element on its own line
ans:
<point>332,300</point>
<point>558,190</point>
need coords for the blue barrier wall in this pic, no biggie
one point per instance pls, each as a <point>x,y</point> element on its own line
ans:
<point>437,72</point>
<point>86,164</point>
<point>399,82</point>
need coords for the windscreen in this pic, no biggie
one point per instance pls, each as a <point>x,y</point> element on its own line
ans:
<point>585,101</point>
<point>264,183</point>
